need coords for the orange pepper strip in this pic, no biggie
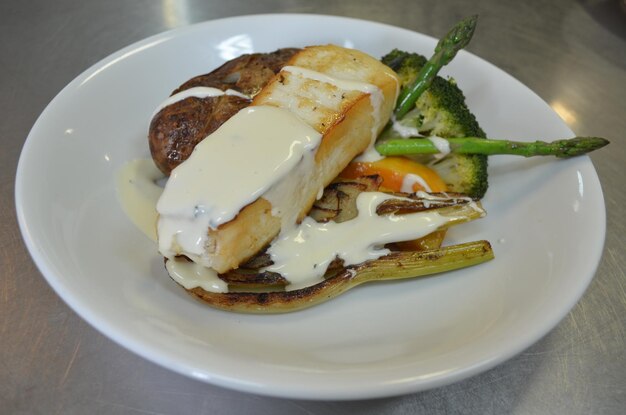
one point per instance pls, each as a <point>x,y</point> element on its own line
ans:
<point>393,171</point>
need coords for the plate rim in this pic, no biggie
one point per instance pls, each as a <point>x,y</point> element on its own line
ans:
<point>108,329</point>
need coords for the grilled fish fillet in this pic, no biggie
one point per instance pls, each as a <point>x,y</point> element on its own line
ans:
<point>323,86</point>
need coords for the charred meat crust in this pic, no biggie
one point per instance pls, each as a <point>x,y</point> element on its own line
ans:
<point>178,128</point>
<point>247,74</point>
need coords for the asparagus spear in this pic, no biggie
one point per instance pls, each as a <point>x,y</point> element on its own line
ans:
<point>474,145</point>
<point>456,39</point>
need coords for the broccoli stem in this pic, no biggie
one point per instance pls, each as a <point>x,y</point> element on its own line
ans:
<point>456,39</point>
<point>475,145</point>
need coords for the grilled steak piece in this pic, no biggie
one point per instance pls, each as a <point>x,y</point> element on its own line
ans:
<point>177,128</point>
<point>246,74</point>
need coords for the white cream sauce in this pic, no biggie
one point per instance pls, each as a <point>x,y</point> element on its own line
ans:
<point>197,92</point>
<point>405,131</point>
<point>138,192</point>
<point>207,190</point>
<point>191,275</point>
<point>442,145</point>
<point>302,253</point>
<point>408,131</point>
<point>409,182</point>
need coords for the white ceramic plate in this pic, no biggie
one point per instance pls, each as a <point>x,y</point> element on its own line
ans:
<point>546,221</point>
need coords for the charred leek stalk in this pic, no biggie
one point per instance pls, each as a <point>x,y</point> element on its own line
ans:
<point>252,290</point>
<point>395,266</point>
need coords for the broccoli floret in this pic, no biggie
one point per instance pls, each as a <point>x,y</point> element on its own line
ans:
<point>441,110</point>
<point>464,173</point>
<point>406,65</point>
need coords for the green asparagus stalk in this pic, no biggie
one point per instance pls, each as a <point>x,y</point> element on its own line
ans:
<point>456,39</point>
<point>474,145</point>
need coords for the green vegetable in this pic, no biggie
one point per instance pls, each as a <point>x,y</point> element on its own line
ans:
<point>456,39</point>
<point>471,145</point>
<point>441,110</point>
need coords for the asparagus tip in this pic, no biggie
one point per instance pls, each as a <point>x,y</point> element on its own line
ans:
<point>458,37</point>
<point>580,145</point>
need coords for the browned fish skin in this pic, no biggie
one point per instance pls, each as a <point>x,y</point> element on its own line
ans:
<point>177,128</point>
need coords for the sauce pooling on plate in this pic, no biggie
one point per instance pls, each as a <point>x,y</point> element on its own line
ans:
<point>138,191</point>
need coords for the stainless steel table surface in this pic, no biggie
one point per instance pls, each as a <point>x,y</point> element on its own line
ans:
<point>570,52</point>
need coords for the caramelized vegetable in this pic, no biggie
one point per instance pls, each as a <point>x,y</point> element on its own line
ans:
<point>397,173</point>
<point>397,265</point>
